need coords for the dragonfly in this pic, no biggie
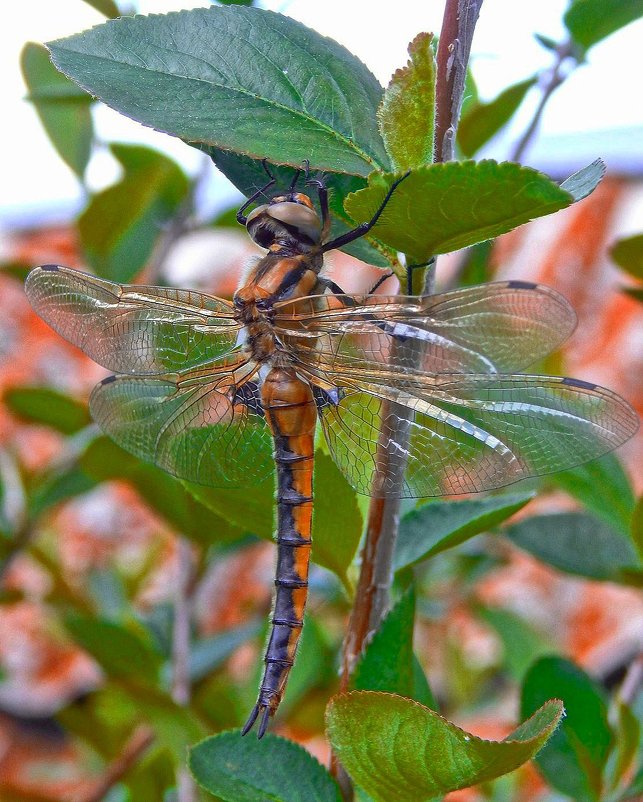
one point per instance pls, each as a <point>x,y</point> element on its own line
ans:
<point>416,396</point>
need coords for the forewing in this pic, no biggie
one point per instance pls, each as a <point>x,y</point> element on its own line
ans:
<point>464,434</point>
<point>129,328</point>
<point>494,328</point>
<point>203,428</point>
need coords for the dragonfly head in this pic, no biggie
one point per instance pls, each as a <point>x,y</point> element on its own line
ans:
<point>286,218</point>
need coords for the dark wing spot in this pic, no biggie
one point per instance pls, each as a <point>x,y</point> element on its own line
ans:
<point>250,395</point>
<point>108,380</point>
<point>51,268</point>
<point>521,285</point>
<point>327,398</point>
<point>579,383</point>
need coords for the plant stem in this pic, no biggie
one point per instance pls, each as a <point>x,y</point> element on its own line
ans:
<point>458,25</point>
<point>555,79</point>
<point>372,598</point>
<point>134,749</point>
<point>181,687</point>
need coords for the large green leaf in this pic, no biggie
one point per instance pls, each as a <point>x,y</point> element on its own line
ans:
<point>248,175</point>
<point>573,760</point>
<point>577,543</point>
<point>590,21</point>
<point>484,120</point>
<point>119,651</point>
<point>628,254</point>
<point>240,769</point>
<point>242,79</point>
<point>104,460</point>
<point>398,750</point>
<point>603,486</point>
<point>444,207</point>
<point>441,525</point>
<point>47,407</point>
<point>63,108</point>
<point>121,224</point>
<point>407,114</point>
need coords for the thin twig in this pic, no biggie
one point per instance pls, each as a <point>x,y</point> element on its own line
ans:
<point>458,25</point>
<point>137,745</point>
<point>554,80</point>
<point>181,686</point>
<point>372,598</point>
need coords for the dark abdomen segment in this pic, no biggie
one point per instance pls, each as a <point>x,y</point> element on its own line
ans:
<point>291,414</point>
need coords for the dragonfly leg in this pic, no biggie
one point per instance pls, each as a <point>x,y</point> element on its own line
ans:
<point>241,217</point>
<point>364,228</point>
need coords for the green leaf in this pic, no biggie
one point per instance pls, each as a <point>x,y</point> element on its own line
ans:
<point>626,744</point>
<point>628,254</point>
<point>117,244</point>
<point>440,525</point>
<point>584,182</point>
<point>407,114</point>
<point>248,175</point>
<point>240,769</point>
<point>47,407</point>
<point>208,654</point>
<point>521,643</point>
<point>637,526</point>
<point>176,727</point>
<point>398,750</point>
<point>573,760</point>
<point>484,120</point>
<point>57,487</point>
<point>387,661</point>
<point>104,460</point>
<point>576,543</point>
<point>444,207</point>
<point>603,486</point>
<point>120,652</point>
<point>241,79</point>
<point>18,270</point>
<point>106,7</point>
<point>634,292</point>
<point>590,21</point>
<point>337,520</point>
<point>546,41</point>
<point>63,108</point>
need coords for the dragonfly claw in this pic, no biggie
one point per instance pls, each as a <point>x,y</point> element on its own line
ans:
<point>263,724</point>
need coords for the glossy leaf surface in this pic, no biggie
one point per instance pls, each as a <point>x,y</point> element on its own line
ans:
<point>240,769</point>
<point>238,78</point>
<point>444,207</point>
<point>398,750</point>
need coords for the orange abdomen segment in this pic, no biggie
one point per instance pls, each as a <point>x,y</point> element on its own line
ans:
<point>291,414</point>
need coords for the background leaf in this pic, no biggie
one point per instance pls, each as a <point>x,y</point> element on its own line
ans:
<point>240,769</point>
<point>407,113</point>
<point>64,109</point>
<point>47,407</point>
<point>576,543</point>
<point>573,760</point>
<point>444,207</point>
<point>603,486</point>
<point>440,525</point>
<point>590,21</point>
<point>483,120</point>
<point>398,750</point>
<point>238,78</point>
<point>628,254</point>
<point>117,246</point>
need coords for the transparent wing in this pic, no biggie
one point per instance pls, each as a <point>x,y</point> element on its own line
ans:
<point>501,327</point>
<point>205,426</point>
<point>463,434</point>
<point>129,328</point>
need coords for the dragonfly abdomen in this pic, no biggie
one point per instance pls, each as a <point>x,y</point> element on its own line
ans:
<point>291,414</point>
